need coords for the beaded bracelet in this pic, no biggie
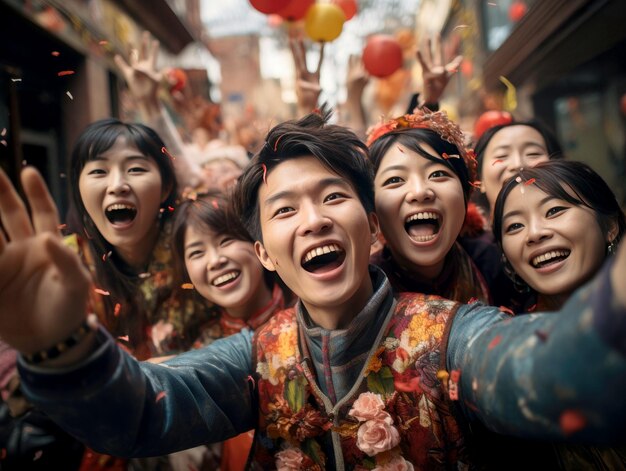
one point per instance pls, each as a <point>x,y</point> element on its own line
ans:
<point>90,324</point>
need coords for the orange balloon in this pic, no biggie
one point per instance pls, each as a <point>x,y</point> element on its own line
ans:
<point>382,55</point>
<point>324,22</point>
<point>348,6</point>
<point>270,6</point>
<point>295,10</point>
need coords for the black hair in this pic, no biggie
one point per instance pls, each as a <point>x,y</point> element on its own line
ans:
<point>336,147</point>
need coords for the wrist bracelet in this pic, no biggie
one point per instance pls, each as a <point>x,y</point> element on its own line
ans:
<point>90,324</point>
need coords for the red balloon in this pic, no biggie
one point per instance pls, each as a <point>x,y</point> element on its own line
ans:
<point>382,55</point>
<point>295,10</point>
<point>517,11</point>
<point>270,6</point>
<point>490,119</point>
<point>348,6</point>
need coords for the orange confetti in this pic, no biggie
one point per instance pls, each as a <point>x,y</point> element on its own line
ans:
<point>264,173</point>
<point>165,151</point>
<point>530,181</point>
<point>506,310</point>
<point>101,291</point>
<point>123,337</point>
<point>472,300</point>
<point>276,143</point>
<point>186,286</point>
<point>117,309</point>
<point>494,343</point>
<point>497,161</point>
<point>104,42</point>
<point>214,203</point>
<point>66,72</point>
<point>450,156</point>
<point>160,396</point>
<point>170,208</point>
<point>572,421</point>
<point>61,226</point>
<point>251,379</point>
<point>55,53</point>
<point>476,183</point>
<point>532,308</point>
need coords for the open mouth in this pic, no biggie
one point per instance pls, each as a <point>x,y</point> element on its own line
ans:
<point>323,259</point>
<point>121,213</point>
<point>549,258</point>
<point>423,227</point>
<point>226,278</point>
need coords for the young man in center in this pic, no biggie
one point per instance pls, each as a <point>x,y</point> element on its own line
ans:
<point>352,378</point>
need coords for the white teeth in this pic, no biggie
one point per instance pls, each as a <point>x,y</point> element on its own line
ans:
<point>220,280</point>
<point>423,215</point>
<point>423,238</point>
<point>321,251</point>
<point>117,206</point>
<point>548,256</point>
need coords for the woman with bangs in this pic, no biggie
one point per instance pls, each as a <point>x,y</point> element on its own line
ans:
<point>422,189</point>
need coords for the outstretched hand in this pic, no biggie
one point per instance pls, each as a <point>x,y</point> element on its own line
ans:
<point>435,74</point>
<point>43,284</point>
<point>308,87</point>
<point>140,72</point>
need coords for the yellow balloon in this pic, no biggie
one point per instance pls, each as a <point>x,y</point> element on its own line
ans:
<point>324,22</point>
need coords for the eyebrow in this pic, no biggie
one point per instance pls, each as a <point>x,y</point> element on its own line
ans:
<point>429,163</point>
<point>193,244</point>
<point>524,144</point>
<point>517,212</point>
<point>319,185</point>
<point>130,157</point>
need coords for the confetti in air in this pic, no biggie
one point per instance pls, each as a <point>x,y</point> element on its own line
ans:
<point>117,309</point>
<point>101,291</point>
<point>529,182</point>
<point>460,27</point>
<point>494,342</point>
<point>165,151</point>
<point>104,42</point>
<point>55,53</point>
<point>187,286</point>
<point>510,97</point>
<point>143,276</point>
<point>3,132</point>
<point>214,204</point>
<point>160,396</point>
<point>69,95</point>
<point>66,72</point>
<point>264,173</point>
<point>16,80</point>
<point>123,337</point>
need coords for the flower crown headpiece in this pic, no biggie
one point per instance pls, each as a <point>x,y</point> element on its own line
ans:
<point>437,121</point>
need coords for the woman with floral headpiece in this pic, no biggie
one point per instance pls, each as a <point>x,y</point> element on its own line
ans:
<point>423,180</point>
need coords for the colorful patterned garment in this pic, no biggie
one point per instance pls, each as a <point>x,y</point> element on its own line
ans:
<point>459,281</point>
<point>396,401</point>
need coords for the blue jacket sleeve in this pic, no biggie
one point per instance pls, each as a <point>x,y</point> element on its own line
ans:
<point>557,376</point>
<point>119,406</point>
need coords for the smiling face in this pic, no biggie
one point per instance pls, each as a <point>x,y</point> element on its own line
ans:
<point>553,245</point>
<point>420,206</point>
<point>122,192</point>
<point>511,148</point>
<point>225,271</point>
<point>317,236</point>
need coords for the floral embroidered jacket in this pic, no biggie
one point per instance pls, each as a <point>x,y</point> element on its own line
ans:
<point>548,376</point>
<point>396,401</point>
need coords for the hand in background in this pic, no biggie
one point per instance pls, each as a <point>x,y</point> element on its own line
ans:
<point>43,284</point>
<point>308,87</point>
<point>435,74</point>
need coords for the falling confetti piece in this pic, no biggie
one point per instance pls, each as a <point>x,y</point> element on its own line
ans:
<point>572,421</point>
<point>506,310</point>
<point>101,291</point>
<point>107,255</point>
<point>117,309</point>
<point>474,384</point>
<point>460,26</point>
<point>123,337</point>
<point>69,95</point>
<point>16,80</point>
<point>264,173</point>
<point>276,143</point>
<point>144,275</point>
<point>4,143</point>
<point>251,379</point>
<point>3,132</point>
<point>214,204</point>
<point>55,53</point>
<point>472,300</point>
<point>66,72</point>
<point>510,97</point>
<point>497,161</point>
<point>543,336</point>
<point>170,208</point>
<point>160,396</point>
<point>450,156</point>
<point>476,183</point>
<point>530,182</point>
<point>532,308</point>
<point>187,286</point>
<point>104,42</point>
<point>165,151</point>
<point>61,226</point>
<point>491,4</point>
<point>37,455</point>
<point>494,343</point>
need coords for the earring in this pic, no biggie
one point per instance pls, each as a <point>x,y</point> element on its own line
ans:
<point>519,284</point>
<point>611,248</point>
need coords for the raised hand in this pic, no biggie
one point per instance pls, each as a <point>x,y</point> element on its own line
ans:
<point>308,87</point>
<point>43,284</point>
<point>140,72</point>
<point>435,74</point>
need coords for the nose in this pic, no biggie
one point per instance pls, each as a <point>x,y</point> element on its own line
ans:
<point>419,191</point>
<point>117,182</point>
<point>215,259</point>
<point>314,220</point>
<point>537,232</point>
<point>515,163</point>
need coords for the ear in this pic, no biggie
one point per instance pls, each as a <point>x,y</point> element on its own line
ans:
<point>483,190</point>
<point>165,192</point>
<point>613,231</point>
<point>374,226</point>
<point>263,256</point>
